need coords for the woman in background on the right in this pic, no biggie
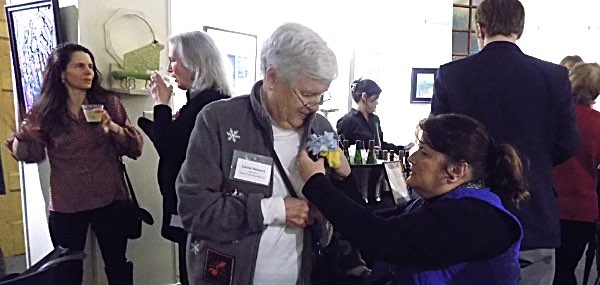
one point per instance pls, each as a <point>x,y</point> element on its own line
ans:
<point>575,180</point>
<point>570,60</point>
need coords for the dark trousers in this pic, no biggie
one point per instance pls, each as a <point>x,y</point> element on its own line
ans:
<point>575,236</point>
<point>69,230</point>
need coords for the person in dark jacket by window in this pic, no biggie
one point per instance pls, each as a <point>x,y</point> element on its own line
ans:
<point>523,101</point>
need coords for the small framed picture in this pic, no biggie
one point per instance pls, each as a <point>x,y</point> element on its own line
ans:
<point>422,80</point>
<point>240,52</point>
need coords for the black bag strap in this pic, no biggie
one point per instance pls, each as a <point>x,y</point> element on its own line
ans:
<point>288,184</point>
<point>267,136</point>
<point>286,179</point>
<point>284,176</point>
<point>129,185</point>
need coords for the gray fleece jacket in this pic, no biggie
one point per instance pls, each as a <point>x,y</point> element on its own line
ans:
<point>223,216</point>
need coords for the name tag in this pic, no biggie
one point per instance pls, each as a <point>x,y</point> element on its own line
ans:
<point>251,167</point>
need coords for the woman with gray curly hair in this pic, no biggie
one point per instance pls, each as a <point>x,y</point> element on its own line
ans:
<point>245,215</point>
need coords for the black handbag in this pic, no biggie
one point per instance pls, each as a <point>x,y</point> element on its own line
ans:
<point>134,215</point>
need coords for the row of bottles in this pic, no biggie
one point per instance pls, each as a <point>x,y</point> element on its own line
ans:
<point>373,154</point>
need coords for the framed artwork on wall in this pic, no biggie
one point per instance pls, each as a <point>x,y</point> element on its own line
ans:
<point>421,89</point>
<point>33,29</point>
<point>2,185</point>
<point>239,51</point>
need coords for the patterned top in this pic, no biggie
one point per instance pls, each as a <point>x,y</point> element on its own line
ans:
<point>85,171</point>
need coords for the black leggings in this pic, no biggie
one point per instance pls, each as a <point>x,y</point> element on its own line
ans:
<point>69,230</point>
<point>575,236</point>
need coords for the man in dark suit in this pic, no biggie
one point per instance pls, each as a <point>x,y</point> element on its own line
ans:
<point>523,101</point>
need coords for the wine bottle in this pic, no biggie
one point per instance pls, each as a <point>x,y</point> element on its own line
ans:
<point>346,145</point>
<point>385,155</point>
<point>406,164</point>
<point>371,154</point>
<point>358,153</point>
<point>392,155</point>
<point>376,136</point>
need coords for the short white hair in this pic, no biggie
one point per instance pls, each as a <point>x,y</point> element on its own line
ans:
<point>294,49</point>
<point>198,53</point>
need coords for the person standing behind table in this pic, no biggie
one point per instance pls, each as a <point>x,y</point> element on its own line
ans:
<point>87,187</point>
<point>575,180</point>
<point>458,232</point>
<point>361,123</point>
<point>196,66</point>
<point>244,227</point>
<point>525,102</point>
<point>570,60</point>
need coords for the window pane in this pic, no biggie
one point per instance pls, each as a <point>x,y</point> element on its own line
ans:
<point>462,2</point>
<point>460,18</point>
<point>473,19</point>
<point>474,46</point>
<point>460,41</point>
<point>477,2</point>
<point>457,57</point>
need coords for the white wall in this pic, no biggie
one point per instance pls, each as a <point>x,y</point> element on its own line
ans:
<point>387,39</point>
<point>554,29</point>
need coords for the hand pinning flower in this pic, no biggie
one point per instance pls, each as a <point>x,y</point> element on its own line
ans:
<point>324,146</point>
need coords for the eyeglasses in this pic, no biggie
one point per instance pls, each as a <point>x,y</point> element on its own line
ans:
<point>323,97</point>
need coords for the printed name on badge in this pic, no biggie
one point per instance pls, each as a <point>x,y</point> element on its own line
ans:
<point>253,171</point>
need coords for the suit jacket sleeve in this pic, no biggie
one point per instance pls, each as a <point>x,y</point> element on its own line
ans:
<point>439,101</point>
<point>567,134</point>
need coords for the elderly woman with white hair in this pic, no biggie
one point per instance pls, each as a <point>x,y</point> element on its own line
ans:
<point>196,65</point>
<point>239,188</point>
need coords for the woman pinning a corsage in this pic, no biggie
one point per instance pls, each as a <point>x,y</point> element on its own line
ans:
<point>459,231</point>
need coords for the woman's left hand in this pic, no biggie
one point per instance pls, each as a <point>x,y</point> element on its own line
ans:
<point>307,167</point>
<point>107,124</point>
